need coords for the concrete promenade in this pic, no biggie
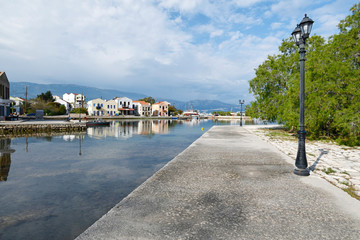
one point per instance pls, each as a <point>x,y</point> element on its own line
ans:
<point>229,184</point>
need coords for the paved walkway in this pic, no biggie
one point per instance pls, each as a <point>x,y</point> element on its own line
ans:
<point>229,184</point>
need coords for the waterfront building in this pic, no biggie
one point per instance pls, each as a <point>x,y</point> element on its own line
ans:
<point>76,100</point>
<point>110,108</point>
<point>97,107</point>
<point>124,105</point>
<point>142,108</point>
<point>67,105</point>
<point>161,109</point>
<point>17,105</point>
<point>4,96</point>
<point>101,107</point>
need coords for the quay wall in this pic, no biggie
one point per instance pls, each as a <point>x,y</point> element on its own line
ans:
<point>31,128</point>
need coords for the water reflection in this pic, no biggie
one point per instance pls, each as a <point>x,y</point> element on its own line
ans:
<point>5,158</point>
<point>127,129</point>
<point>59,185</point>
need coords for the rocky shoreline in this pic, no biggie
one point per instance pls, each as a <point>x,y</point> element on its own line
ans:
<point>340,165</point>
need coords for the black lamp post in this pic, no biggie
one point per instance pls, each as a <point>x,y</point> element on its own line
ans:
<point>300,34</point>
<point>241,102</point>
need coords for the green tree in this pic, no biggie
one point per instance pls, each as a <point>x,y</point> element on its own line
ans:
<point>76,110</point>
<point>332,82</point>
<point>46,97</point>
<point>174,111</point>
<point>148,100</point>
<point>222,113</point>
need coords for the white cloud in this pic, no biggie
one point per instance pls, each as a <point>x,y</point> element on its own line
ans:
<point>247,3</point>
<point>245,19</point>
<point>157,47</point>
<point>216,33</point>
<point>183,5</point>
<point>276,25</point>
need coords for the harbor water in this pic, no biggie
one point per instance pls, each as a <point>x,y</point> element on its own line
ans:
<point>55,187</point>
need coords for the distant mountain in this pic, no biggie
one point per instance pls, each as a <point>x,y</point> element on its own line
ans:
<point>209,106</point>
<point>17,89</point>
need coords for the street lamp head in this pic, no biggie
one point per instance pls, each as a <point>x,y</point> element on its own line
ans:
<point>305,26</point>
<point>241,101</point>
<point>296,34</point>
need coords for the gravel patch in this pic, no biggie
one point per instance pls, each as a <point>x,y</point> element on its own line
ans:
<point>340,165</point>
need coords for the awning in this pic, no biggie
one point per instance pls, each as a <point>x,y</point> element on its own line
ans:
<point>126,109</point>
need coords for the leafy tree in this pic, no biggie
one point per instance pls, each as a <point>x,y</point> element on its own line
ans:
<point>332,82</point>
<point>76,110</point>
<point>50,108</point>
<point>148,100</point>
<point>46,97</point>
<point>222,113</point>
<point>174,111</point>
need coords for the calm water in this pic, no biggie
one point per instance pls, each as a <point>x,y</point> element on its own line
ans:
<point>55,187</point>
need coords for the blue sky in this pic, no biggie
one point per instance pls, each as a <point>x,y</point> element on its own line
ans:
<point>176,49</point>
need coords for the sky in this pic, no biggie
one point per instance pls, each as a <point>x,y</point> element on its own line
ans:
<point>175,49</point>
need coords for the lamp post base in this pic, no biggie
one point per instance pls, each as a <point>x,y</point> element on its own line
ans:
<point>302,172</point>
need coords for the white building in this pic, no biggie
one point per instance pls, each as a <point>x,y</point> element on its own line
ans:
<point>16,105</point>
<point>67,105</point>
<point>110,108</point>
<point>100,107</point>
<point>96,107</point>
<point>76,100</point>
<point>142,108</point>
<point>124,105</point>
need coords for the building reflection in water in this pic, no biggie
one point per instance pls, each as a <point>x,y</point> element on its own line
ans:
<point>126,129</point>
<point>5,158</point>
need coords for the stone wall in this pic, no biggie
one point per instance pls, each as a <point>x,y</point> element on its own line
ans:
<point>38,128</point>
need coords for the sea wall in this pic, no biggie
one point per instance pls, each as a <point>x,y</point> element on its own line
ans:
<point>19,129</point>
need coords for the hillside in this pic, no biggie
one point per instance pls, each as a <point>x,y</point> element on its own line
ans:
<point>34,89</point>
<point>17,89</point>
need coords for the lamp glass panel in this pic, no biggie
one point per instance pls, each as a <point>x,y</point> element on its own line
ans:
<point>304,29</point>
<point>309,28</point>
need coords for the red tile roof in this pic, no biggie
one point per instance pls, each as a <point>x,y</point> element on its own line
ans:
<point>142,102</point>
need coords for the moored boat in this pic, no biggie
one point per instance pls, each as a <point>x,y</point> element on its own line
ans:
<point>97,122</point>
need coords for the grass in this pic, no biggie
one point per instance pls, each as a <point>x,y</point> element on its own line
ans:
<point>328,171</point>
<point>351,191</point>
<point>279,134</point>
<point>345,183</point>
